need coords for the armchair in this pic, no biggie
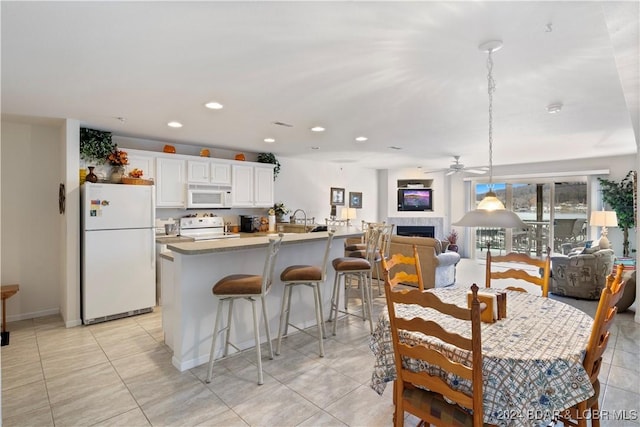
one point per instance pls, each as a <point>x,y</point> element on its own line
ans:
<point>581,274</point>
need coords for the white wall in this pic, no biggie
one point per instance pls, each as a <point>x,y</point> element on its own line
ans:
<point>30,220</point>
<point>306,184</point>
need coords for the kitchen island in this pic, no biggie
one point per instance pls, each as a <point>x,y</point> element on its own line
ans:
<point>191,269</point>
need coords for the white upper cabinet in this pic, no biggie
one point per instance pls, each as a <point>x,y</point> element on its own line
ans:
<point>263,195</point>
<point>142,160</point>
<point>170,183</point>
<point>220,173</point>
<point>252,186</point>
<point>242,186</point>
<point>208,172</point>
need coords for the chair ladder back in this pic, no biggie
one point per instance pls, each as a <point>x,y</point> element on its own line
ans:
<point>519,274</point>
<point>270,262</point>
<point>385,246</point>
<point>445,359</point>
<point>401,276</point>
<point>603,319</point>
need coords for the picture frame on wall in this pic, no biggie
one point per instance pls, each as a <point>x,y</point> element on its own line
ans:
<point>337,196</point>
<point>355,200</point>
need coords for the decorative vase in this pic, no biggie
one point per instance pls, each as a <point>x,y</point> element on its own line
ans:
<point>117,172</point>
<point>91,177</point>
<point>452,247</point>
<point>272,223</point>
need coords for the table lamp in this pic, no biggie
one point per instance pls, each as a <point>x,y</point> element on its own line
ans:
<point>603,219</point>
<point>348,214</point>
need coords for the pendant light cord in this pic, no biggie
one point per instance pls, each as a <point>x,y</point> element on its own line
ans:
<point>491,87</point>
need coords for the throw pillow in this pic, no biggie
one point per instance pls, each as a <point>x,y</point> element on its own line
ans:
<point>591,250</point>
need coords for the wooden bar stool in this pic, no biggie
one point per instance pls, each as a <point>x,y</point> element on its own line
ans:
<point>249,287</point>
<point>308,275</point>
<point>7,291</point>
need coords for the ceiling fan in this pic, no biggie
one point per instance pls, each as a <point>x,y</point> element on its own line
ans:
<point>458,167</point>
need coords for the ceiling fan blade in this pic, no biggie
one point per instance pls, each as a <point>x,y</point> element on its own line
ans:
<point>451,172</point>
<point>476,171</point>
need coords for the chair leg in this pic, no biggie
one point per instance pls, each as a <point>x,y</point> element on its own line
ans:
<point>265,315</point>
<point>363,295</point>
<point>594,410</point>
<point>324,330</point>
<point>316,297</point>
<point>256,336</point>
<point>228,335</point>
<point>368,284</point>
<point>213,341</point>
<point>335,297</point>
<point>286,297</point>
<point>378,277</point>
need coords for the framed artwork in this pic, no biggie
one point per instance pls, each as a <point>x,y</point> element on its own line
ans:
<point>337,196</point>
<point>355,200</point>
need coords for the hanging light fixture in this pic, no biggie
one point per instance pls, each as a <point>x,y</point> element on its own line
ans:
<point>490,211</point>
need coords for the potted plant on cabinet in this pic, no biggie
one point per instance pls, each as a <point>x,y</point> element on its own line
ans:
<point>95,146</point>
<point>270,158</point>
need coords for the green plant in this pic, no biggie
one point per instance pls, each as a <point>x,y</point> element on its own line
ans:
<point>95,145</point>
<point>619,195</point>
<point>270,158</point>
<point>280,209</point>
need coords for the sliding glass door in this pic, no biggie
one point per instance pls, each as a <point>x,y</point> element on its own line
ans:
<point>555,213</point>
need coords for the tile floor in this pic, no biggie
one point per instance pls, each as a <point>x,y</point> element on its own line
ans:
<point>119,373</point>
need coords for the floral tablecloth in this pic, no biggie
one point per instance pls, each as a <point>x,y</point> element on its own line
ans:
<point>532,359</point>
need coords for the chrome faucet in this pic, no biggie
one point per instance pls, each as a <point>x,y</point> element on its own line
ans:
<point>293,217</point>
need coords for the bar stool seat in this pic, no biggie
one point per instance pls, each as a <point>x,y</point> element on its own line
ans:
<point>249,287</point>
<point>350,264</point>
<point>308,275</point>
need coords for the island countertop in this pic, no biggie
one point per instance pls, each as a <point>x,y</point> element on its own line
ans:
<point>223,245</point>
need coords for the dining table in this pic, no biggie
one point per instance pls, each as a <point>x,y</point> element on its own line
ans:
<point>532,358</point>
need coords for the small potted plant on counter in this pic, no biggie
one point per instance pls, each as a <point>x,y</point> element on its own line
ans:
<point>452,237</point>
<point>281,211</point>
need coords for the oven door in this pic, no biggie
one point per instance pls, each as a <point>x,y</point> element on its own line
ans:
<point>203,198</point>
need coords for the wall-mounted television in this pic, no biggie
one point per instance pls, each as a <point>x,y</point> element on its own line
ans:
<point>415,199</point>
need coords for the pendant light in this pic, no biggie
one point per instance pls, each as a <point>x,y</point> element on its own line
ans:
<point>490,211</point>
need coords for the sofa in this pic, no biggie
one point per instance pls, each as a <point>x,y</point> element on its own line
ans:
<point>582,273</point>
<point>437,264</point>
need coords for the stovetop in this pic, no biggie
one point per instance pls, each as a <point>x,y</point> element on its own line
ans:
<point>204,228</point>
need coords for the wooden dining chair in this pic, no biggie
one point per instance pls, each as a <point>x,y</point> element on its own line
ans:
<point>541,265</point>
<point>399,277</point>
<point>611,294</point>
<point>421,393</point>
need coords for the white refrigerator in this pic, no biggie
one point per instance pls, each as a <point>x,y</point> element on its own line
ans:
<point>118,251</point>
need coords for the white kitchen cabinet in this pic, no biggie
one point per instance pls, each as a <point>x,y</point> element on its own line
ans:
<point>220,173</point>
<point>242,186</point>
<point>252,186</point>
<point>263,186</point>
<point>142,160</point>
<point>208,172</point>
<point>171,180</point>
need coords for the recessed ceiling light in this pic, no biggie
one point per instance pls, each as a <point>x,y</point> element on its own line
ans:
<point>393,147</point>
<point>174,124</point>
<point>213,105</point>
<point>554,108</point>
<point>269,140</point>
<point>361,138</point>
<point>315,148</point>
<point>317,129</point>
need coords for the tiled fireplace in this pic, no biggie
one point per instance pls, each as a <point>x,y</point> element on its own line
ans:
<point>436,223</point>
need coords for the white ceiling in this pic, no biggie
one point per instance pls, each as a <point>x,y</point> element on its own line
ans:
<point>404,74</point>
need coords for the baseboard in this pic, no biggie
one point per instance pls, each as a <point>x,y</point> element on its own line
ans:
<point>32,315</point>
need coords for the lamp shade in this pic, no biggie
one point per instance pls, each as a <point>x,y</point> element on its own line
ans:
<point>603,219</point>
<point>500,218</point>
<point>348,213</point>
<point>490,202</point>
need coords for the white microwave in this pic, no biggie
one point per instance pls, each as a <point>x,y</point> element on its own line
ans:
<point>203,196</point>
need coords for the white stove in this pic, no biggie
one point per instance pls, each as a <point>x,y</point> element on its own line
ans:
<point>204,228</point>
